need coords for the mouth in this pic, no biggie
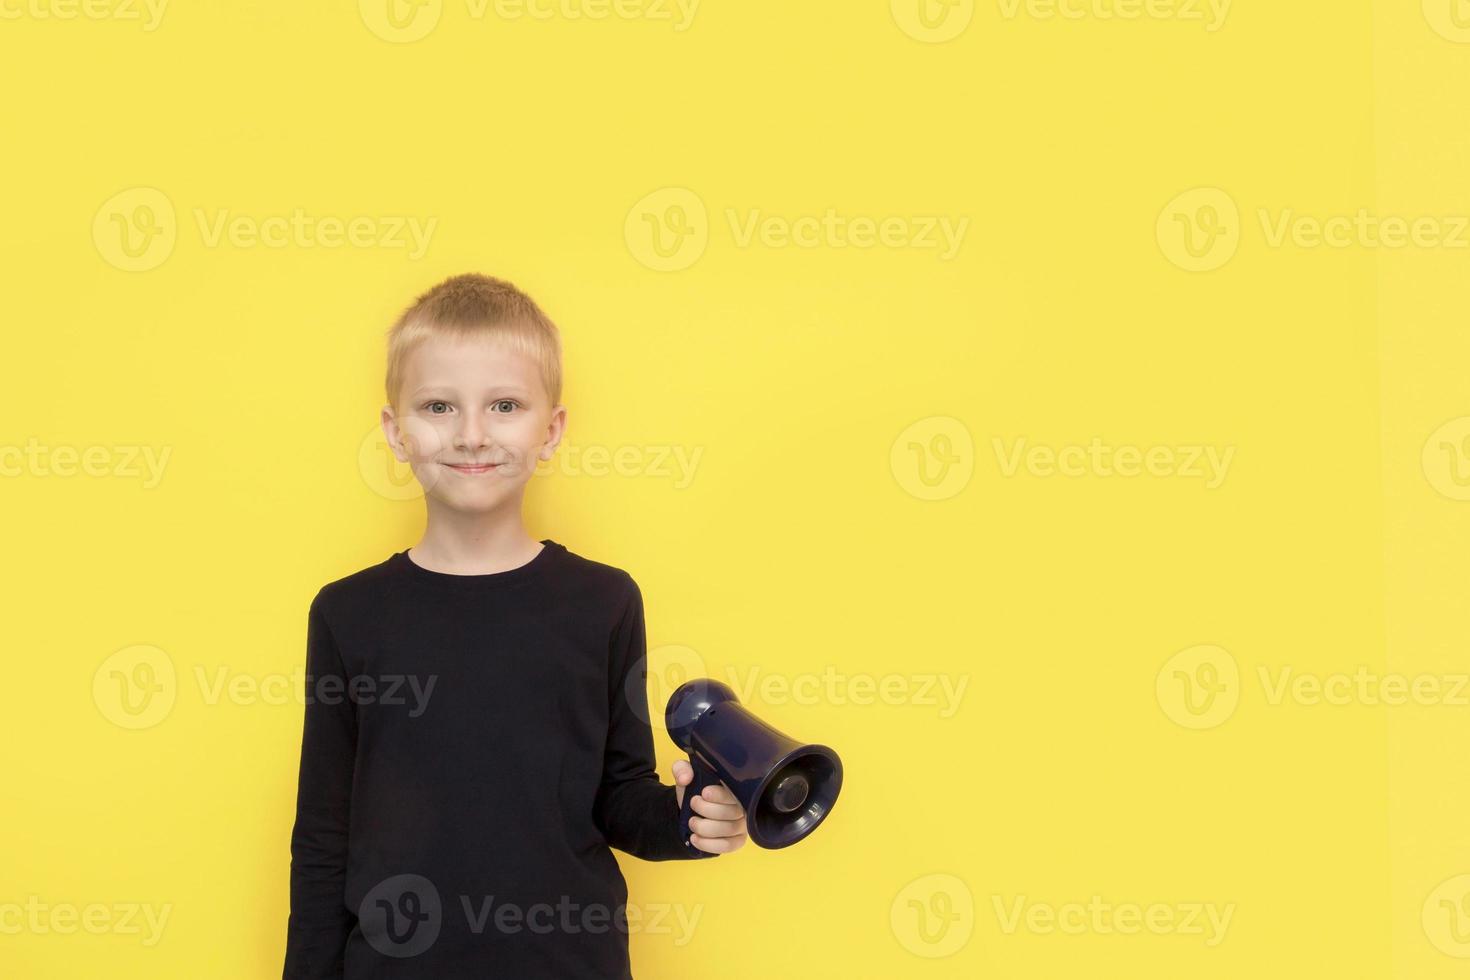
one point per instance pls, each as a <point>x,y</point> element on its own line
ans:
<point>472,468</point>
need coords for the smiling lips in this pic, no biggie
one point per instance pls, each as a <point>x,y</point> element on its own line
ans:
<point>472,467</point>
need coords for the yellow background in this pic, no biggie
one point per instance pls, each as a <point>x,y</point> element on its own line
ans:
<point>1335,834</point>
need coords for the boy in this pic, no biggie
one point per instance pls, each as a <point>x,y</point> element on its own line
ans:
<point>471,745</point>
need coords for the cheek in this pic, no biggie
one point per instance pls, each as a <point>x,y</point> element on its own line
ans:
<point>422,440</point>
<point>521,440</point>
<point>518,466</point>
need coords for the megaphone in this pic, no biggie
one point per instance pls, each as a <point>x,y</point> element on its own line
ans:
<point>786,788</point>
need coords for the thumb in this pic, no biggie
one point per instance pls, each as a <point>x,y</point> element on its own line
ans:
<point>683,776</point>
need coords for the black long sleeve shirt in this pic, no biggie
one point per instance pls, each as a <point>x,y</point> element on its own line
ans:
<point>473,744</point>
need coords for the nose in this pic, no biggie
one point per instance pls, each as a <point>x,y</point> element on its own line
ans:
<point>471,435</point>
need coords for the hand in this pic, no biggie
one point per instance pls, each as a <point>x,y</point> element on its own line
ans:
<point>719,826</point>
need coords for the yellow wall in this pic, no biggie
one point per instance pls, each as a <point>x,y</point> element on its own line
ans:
<point>1079,710</point>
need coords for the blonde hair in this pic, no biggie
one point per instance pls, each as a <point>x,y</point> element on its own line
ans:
<point>473,305</point>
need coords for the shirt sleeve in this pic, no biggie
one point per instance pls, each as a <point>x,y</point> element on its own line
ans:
<point>635,812</point>
<point>319,923</point>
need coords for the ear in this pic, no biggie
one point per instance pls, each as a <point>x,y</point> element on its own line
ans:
<point>556,427</point>
<point>393,433</point>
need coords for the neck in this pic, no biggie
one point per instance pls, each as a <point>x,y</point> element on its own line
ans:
<point>474,542</point>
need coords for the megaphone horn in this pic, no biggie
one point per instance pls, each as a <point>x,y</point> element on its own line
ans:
<point>786,787</point>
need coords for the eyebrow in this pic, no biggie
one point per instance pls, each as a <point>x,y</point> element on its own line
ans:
<point>435,389</point>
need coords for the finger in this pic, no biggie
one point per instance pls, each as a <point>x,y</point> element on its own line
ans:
<point>705,827</point>
<point>719,793</point>
<point>719,811</point>
<point>683,773</point>
<point>718,845</point>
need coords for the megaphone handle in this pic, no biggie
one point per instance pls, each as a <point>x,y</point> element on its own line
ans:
<point>703,776</point>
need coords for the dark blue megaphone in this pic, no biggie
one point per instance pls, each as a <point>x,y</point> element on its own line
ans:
<point>786,788</point>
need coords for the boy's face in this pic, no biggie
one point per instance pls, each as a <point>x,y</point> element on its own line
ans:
<point>473,419</point>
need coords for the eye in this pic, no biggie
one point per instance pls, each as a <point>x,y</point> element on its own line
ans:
<point>430,406</point>
<point>508,401</point>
